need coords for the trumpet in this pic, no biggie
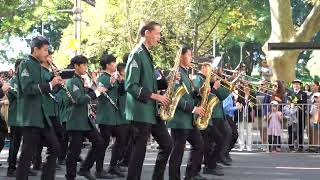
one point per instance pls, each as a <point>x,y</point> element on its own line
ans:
<point>103,93</point>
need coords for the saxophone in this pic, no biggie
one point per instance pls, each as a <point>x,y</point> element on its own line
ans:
<point>167,112</point>
<point>202,122</point>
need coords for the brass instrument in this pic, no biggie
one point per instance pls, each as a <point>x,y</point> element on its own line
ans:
<point>167,112</point>
<point>202,122</point>
<point>55,71</point>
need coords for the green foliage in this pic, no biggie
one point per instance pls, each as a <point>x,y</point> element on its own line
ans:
<point>114,26</point>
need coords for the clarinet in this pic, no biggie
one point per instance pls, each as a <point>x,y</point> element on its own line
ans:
<point>56,73</point>
<point>104,93</point>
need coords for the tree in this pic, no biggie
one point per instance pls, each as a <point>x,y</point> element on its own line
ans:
<point>284,30</point>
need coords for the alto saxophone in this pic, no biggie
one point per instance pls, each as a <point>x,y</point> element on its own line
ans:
<point>167,112</point>
<point>202,122</point>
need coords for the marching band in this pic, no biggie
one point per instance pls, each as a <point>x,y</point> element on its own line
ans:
<point>47,110</point>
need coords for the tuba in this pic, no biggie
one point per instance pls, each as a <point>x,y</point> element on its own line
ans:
<point>167,112</point>
<point>202,122</point>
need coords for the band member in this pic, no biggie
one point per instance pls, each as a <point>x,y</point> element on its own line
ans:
<point>141,104</point>
<point>15,129</point>
<point>51,109</point>
<point>79,125</point>
<point>212,136</point>
<point>31,115</point>
<point>108,115</point>
<point>4,88</point>
<point>182,128</point>
<point>122,104</point>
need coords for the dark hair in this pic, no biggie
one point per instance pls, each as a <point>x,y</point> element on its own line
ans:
<point>38,42</point>
<point>147,25</point>
<point>107,59</point>
<point>184,49</point>
<point>79,59</point>
<point>125,57</point>
<point>121,66</point>
<point>316,82</point>
<point>280,92</point>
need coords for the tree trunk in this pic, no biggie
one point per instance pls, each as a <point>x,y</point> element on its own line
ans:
<point>284,62</point>
<point>195,40</point>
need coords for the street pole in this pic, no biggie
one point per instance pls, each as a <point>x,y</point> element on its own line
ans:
<point>77,13</point>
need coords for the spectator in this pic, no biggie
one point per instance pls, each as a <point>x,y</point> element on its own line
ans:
<point>314,120</point>
<point>263,98</point>
<point>278,92</point>
<point>265,71</point>
<point>274,127</point>
<point>290,112</point>
<point>307,90</point>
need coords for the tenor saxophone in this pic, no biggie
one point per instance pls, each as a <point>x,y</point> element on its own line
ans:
<point>202,122</point>
<point>167,112</point>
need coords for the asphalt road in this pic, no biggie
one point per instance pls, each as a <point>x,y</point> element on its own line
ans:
<point>245,166</point>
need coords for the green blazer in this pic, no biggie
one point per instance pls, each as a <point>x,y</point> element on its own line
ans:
<point>78,118</point>
<point>12,97</point>
<point>183,117</point>
<point>31,87</point>
<point>50,104</point>
<point>64,105</point>
<point>107,114</point>
<point>140,83</point>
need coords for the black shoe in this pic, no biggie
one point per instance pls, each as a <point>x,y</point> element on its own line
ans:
<point>79,159</point>
<point>32,173</point>
<point>196,177</point>
<point>11,172</point>
<point>300,149</point>
<point>229,159</point>
<point>105,175</point>
<point>123,168</point>
<point>219,167</point>
<point>116,171</point>
<point>36,168</point>
<point>216,171</point>
<point>58,167</point>
<point>62,162</point>
<point>225,162</point>
<point>86,174</point>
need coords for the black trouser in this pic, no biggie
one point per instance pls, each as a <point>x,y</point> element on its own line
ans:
<point>216,143</point>
<point>74,151</point>
<point>15,141</point>
<point>120,133</point>
<point>225,132</point>
<point>128,147</point>
<point>31,138</point>
<point>234,130</point>
<point>59,131</point>
<point>64,143</point>
<point>3,132</point>
<point>142,133</point>
<point>180,136</point>
<point>301,125</point>
<point>274,140</point>
<point>292,135</point>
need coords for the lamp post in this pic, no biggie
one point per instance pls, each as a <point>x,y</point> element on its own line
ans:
<point>241,48</point>
<point>221,54</point>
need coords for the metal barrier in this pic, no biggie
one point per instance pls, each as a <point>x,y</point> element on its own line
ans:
<point>291,127</point>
